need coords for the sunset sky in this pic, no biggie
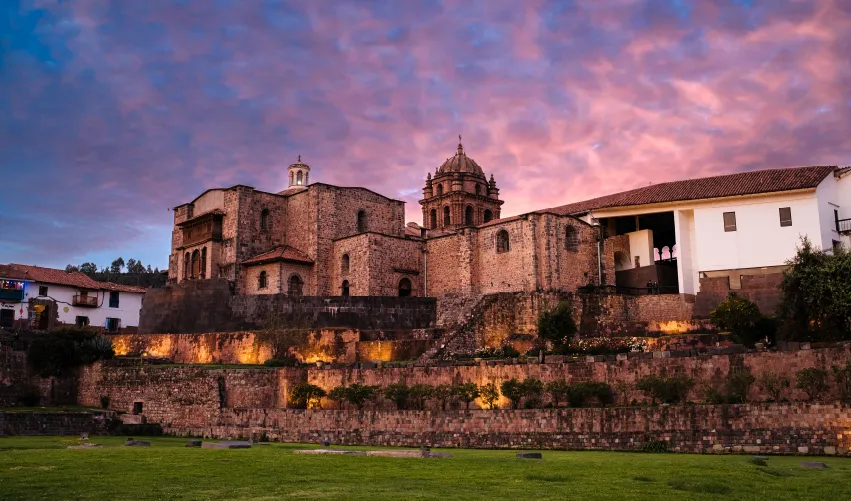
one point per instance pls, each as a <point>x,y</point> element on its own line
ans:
<point>113,112</point>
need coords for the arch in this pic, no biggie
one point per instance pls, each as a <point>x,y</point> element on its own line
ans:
<point>203,263</point>
<point>478,189</point>
<point>262,280</point>
<point>299,178</point>
<point>503,243</point>
<point>344,264</point>
<point>433,219</point>
<point>186,266</point>
<point>447,218</point>
<point>666,253</point>
<point>404,287</point>
<point>571,239</point>
<point>196,264</point>
<point>657,256</point>
<point>295,285</point>
<point>621,261</point>
<point>488,215</point>
<point>468,215</point>
<point>439,189</point>
<point>361,221</point>
<point>264,219</point>
<point>345,288</point>
<point>292,178</point>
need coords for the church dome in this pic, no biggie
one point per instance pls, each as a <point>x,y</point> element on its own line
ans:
<point>460,163</point>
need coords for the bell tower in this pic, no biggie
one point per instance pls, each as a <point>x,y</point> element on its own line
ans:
<point>299,173</point>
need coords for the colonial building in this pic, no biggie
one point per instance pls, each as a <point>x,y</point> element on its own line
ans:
<point>319,239</point>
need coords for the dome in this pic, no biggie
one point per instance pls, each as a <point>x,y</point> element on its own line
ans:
<point>299,173</point>
<point>460,163</point>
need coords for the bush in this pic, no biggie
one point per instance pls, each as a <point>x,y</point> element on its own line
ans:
<point>338,394</point>
<point>583,393</point>
<point>813,381</point>
<point>104,401</point>
<point>468,393</point>
<point>557,391</point>
<point>667,390</point>
<point>489,394</point>
<point>711,394</point>
<point>419,394</point>
<point>399,393</point>
<point>842,377</point>
<point>443,394</point>
<point>557,325</point>
<point>56,353</point>
<point>740,317</point>
<point>773,384</point>
<point>512,389</point>
<point>506,351</point>
<point>358,394</point>
<point>602,346</point>
<point>655,446</point>
<point>738,385</point>
<point>283,360</point>
<point>303,395</point>
<point>533,390</point>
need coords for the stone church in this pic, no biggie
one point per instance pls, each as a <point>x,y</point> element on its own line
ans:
<point>317,239</point>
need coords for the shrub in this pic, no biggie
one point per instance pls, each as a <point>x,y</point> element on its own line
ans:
<point>842,377</point>
<point>303,395</point>
<point>602,392</point>
<point>740,317</point>
<point>419,394</point>
<point>577,394</point>
<point>711,394</point>
<point>738,385</point>
<point>557,391</point>
<point>467,393</point>
<point>283,360</point>
<point>602,346</point>
<point>358,394</point>
<point>583,393</point>
<point>773,384</point>
<point>667,390</point>
<point>338,394</point>
<point>489,394</point>
<point>443,393</point>
<point>655,446</point>
<point>533,390</point>
<point>399,393</point>
<point>557,325</point>
<point>57,352</point>
<point>512,389</point>
<point>506,351</point>
<point>813,381</point>
<point>104,401</point>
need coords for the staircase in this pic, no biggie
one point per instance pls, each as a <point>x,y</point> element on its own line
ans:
<point>457,315</point>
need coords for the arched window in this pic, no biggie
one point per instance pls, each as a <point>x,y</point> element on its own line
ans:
<point>433,219</point>
<point>344,264</point>
<point>488,215</point>
<point>439,189</point>
<point>502,243</point>
<point>345,288</point>
<point>361,221</point>
<point>571,239</point>
<point>299,179</point>
<point>262,280</point>
<point>404,287</point>
<point>446,219</point>
<point>186,266</point>
<point>478,189</point>
<point>196,263</point>
<point>468,215</point>
<point>295,286</point>
<point>292,178</point>
<point>203,263</point>
<point>264,219</point>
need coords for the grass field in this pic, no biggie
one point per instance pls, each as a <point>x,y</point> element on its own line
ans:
<point>42,468</point>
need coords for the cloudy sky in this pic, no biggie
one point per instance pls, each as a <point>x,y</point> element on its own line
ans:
<point>113,111</point>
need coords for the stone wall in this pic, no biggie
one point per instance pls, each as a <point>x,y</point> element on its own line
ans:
<point>209,306</point>
<point>18,381</point>
<point>756,428</point>
<point>52,423</point>
<point>763,290</point>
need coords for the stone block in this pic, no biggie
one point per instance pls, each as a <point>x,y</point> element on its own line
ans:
<point>226,445</point>
<point>529,455</point>
<point>830,450</point>
<point>193,443</point>
<point>814,465</point>
<point>803,449</point>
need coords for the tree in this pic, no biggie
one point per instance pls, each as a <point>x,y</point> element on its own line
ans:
<point>814,381</point>
<point>533,390</point>
<point>420,393</point>
<point>557,391</point>
<point>399,393</point>
<point>738,385</point>
<point>443,393</point>
<point>467,393</point>
<point>305,394</point>
<point>338,394</point>
<point>512,389</point>
<point>815,301</point>
<point>489,394</point>
<point>71,269</point>
<point>89,268</point>
<point>557,325</point>
<point>57,352</point>
<point>842,377</point>
<point>358,394</point>
<point>117,265</point>
<point>742,318</point>
<point>773,384</point>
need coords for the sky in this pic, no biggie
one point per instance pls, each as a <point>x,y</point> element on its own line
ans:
<point>112,112</point>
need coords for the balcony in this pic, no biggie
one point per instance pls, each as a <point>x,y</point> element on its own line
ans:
<point>87,301</point>
<point>843,225</point>
<point>202,231</point>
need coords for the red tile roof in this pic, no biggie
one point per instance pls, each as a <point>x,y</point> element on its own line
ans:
<point>743,183</point>
<point>8,271</point>
<point>283,253</point>
<point>72,279</point>
<point>121,287</point>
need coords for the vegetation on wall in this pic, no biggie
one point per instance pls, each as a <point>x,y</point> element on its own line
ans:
<point>743,320</point>
<point>556,326</point>
<point>58,352</point>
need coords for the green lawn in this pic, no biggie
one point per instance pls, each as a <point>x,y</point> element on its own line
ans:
<point>42,468</point>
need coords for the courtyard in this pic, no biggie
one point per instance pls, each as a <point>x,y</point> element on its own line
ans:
<point>44,468</point>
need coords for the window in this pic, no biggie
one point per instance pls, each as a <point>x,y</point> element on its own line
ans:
<point>478,189</point>
<point>113,324</point>
<point>361,221</point>
<point>488,215</point>
<point>468,215</point>
<point>638,261</point>
<point>295,286</point>
<point>729,221</point>
<point>836,218</point>
<point>186,266</point>
<point>82,321</point>
<point>785,216</point>
<point>502,243</point>
<point>433,219</point>
<point>264,219</point>
<point>299,178</point>
<point>262,280</point>
<point>404,287</point>
<point>571,239</point>
<point>137,407</point>
<point>837,246</point>
<point>344,264</point>
<point>447,220</point>
<point>196,264</point>
<point>113,299</point>
<point>292,178</point>
<point>203,272</point>
<point>439,189</point>
<point>345,288</point>
<point>42,290</point>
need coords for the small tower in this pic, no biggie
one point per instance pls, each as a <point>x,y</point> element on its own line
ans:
<point>299,173</point>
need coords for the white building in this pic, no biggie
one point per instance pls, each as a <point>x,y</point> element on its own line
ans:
<point>749,223</point>
<point>44,298</point>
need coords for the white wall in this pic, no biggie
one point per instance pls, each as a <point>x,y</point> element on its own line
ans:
<point>213,199</point>
<point>684,230</point>
<point>129,305</point>
<point>641,245</point>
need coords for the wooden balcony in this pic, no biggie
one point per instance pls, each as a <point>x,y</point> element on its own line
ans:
<point>843,225</point>
<point>87,301</point>
<point>202,231</point>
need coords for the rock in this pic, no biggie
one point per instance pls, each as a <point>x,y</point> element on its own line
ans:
<point>760,457</point>
<point>814,465</point>
<point>136,443</point>
<point>529,455</point>
<point>751,448</point>
<point>803,449</point>
<point>830,451</point>
<point>193,443</point>
<point>226,445</point>
<point>718,448</point>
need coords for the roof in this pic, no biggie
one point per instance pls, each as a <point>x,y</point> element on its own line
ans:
<point>282,253</point>
<point>214,212</point>
<point>121,287</point>
<point>61,277</point>
<point>460,163</point>
<point>9,271</point>
<point>729,185</point>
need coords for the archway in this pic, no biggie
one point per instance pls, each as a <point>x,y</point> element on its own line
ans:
<point>488,215</point>
<point>468,215</point>
<point>447,220</point>
<point>196,264</point>
<point>433,219</point>
<point>361,221</point>
<point>295,286</point>
<point>345,288</point>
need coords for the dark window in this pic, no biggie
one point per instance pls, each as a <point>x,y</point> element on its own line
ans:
<point>82,321</point>
<point>295,286</point>
<point>571,239</point>
<point>468,215</point>
<point>42,290</point>
<point>262,280</point>
<point>361,221</point>
<point>203,272</point>
<point>113,324</point>
<point>729,221</point>
<point>264,219</point>
<point>137,407</point>
<point>837,245</point>
<point>439,189</point>
<point>502,241</point>
<point>344,264</point>
<point>196,264</point>
<point>433,218</point>
<point>404,287</point>
<point>345,288</point>
<point>447,220</point>
<point>488,215</point>
<point>186,266</point>
<point>785,216</point>
<point>113,299</point>
<point>478,189</point>
<point>836,218</point>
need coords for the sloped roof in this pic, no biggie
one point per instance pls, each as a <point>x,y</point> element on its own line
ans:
<point>214,212</point>
<point>61,277</point>
<point>121,287</point>
<point>9,271</point>
<point>729,185</point>
<point>282,253</point>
